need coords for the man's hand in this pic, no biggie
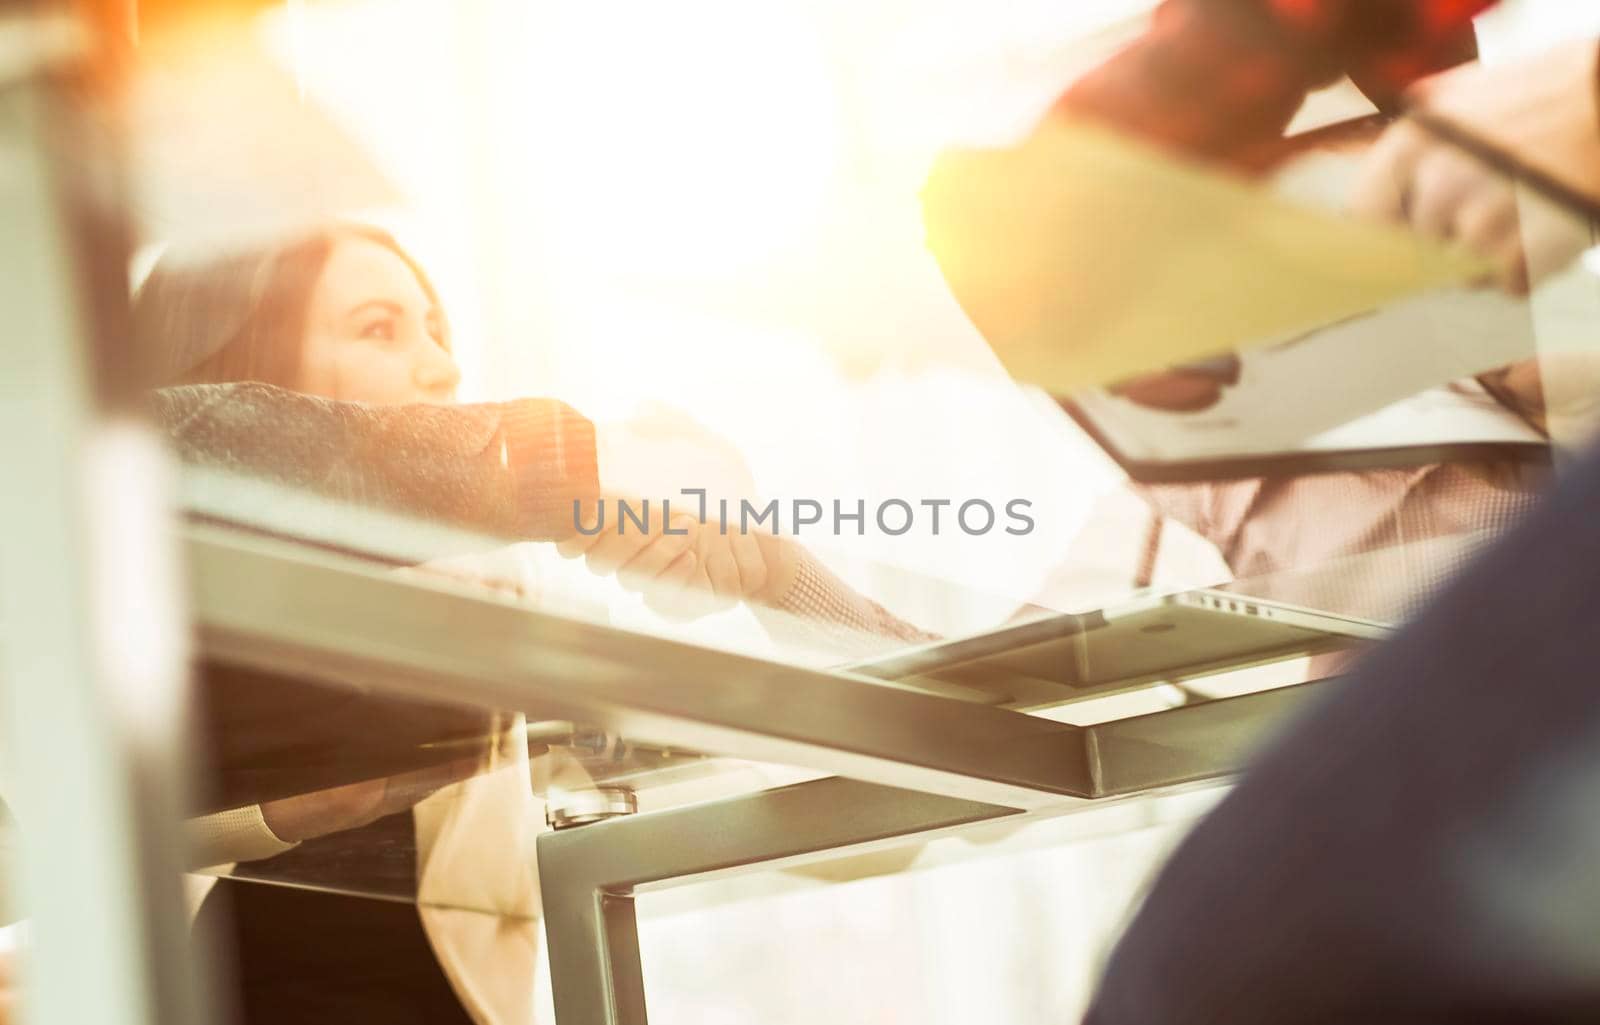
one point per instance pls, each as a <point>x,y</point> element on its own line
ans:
<point>1410,177</point>
<point>687,567</point>
<point>695,569</point>
<point>1559,393</point>
<point>1541,112</point>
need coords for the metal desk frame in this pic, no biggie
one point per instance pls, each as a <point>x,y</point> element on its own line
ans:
<point>907,764</point>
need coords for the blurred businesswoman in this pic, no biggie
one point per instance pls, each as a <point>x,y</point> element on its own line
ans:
<point>343,313</point>
<point>346,314</point>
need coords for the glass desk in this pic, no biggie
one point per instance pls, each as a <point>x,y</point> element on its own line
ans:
<point>403,724</point>
<point>322,670</point>
<point>407,715</point>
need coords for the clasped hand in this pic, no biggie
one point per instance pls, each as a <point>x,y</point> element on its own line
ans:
<point>1541,113</point>
<point>684,566</point>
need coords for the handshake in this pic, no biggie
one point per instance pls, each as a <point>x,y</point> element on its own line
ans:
<point>683,565</point>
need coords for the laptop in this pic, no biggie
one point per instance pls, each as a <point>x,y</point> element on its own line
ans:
<point>1062,657</point>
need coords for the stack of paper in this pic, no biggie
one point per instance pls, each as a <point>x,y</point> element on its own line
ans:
<point>1085,258</point>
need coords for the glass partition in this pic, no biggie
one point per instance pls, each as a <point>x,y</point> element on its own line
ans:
<point>525,303</point>
<point>541,378</point>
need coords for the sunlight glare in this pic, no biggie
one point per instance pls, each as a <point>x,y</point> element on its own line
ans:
<point>699,136</point>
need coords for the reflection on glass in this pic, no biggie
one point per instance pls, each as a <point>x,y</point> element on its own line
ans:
<point>521,307</point>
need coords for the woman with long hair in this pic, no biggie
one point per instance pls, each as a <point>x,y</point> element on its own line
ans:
<point>346,314</point>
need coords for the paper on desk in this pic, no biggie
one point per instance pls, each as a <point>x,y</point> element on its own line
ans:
<point>1294,396</point>
<point>1085,258</point>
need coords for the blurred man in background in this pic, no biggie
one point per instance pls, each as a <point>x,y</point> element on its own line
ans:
<point>1420,848</point>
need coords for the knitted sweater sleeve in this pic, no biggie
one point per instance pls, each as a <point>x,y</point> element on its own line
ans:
<point>823,613</point>
<point>508,469</point>
<point>239,834</point>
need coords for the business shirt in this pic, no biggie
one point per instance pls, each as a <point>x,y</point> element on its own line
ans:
<point>1372,544</point>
